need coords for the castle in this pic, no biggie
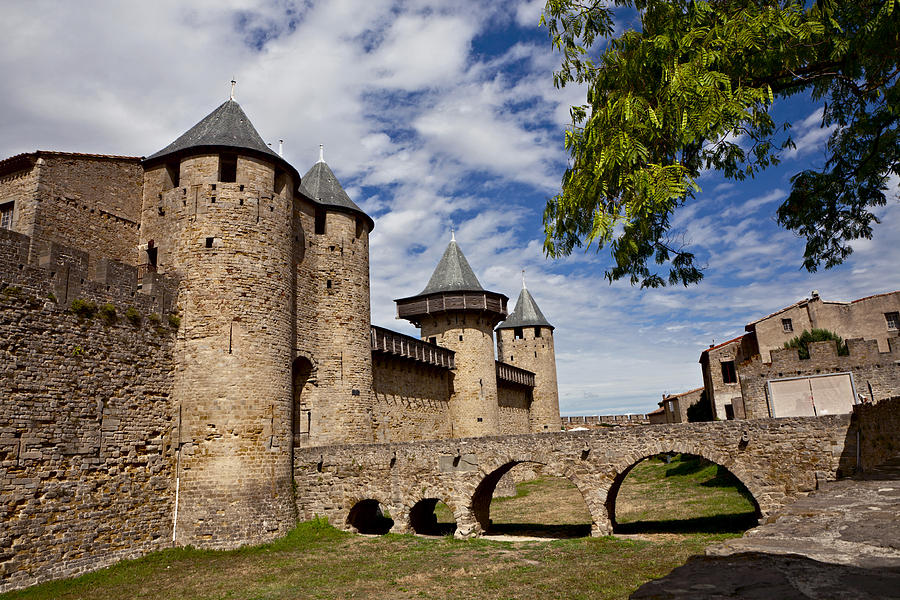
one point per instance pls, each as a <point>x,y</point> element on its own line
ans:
<point>174,326</point>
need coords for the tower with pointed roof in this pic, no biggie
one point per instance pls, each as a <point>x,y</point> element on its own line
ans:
<point>525,339</point>
<point>455,312</point>
<point>336,332</point>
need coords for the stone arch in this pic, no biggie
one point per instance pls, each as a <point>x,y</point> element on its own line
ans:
<point>367,516</point>
<point>626,463</point>
<point>480,504</point>
<point>422,519</point>
<point>303,378</point>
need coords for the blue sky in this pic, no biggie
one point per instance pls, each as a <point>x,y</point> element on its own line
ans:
<point>433,113</point>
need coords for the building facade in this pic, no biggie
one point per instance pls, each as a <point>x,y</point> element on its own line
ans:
<point>731,370</point>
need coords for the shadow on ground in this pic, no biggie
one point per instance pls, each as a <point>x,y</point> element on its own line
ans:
<point>761,576</point>
<point>540,530</point>
<point>738,523</point>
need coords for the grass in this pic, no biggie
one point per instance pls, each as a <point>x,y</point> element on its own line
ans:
<point>316,561</point>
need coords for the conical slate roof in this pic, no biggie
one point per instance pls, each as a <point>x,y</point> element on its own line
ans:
<point>452,274</point>
<point>322,186</point>
<point>526,313</point>
<point>225,126</point>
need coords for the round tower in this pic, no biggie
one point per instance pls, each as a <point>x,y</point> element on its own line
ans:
<point>219,220</point>
<point>455,312</point>
<point>525,340</point>
<point>338,408</point>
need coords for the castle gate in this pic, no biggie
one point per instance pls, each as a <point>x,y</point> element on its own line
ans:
<point>777,460</point>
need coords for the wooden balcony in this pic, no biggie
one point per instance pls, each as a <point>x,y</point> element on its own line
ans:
<point>397,344</point>
<point>511,374</point>
<point>417,307</point>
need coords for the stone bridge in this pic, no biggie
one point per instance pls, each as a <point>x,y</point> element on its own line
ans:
<point>777,460</point>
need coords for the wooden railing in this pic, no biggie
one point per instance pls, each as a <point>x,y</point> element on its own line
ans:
<point>398,344</point>
<point>507,372</point>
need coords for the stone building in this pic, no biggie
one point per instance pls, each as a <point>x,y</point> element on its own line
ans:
<point>236,326</point>
<point>726,366</point>
<point>675,406</point>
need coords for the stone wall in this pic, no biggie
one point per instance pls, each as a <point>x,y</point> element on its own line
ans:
<point>879,431</point>
<point>514,403</point>
<point>412,400</point>
<point>876,374</point>
<point>90,202</point>
<point>86,448</point>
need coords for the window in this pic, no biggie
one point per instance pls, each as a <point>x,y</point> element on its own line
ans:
<point>173,171</point>
<point>320,221</point>
<point>228,168</point>
<point>281,180</point>
<point>517,333</point>
<point>209,242</point>
<point>537,332</point>
<point>893,320</point>
<point>787,325</point>
<point>729,375</point>
<point>6,214</point>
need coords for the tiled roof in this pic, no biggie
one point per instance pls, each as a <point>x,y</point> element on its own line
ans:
<point>225,126</point>
<point>452,274</point>
<point>526,313</point>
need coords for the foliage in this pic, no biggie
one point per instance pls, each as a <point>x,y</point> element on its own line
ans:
<point>133,316</point>
<point>673,99</point>
<point>83,309</point>
<point>802,341</point>
<point>174,321</point>
<point>700,410</point>
<point>155,319</point>
<point>107,313</point>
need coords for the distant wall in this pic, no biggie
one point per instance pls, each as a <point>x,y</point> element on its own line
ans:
<point>86,454</point>
<point>872,370</point>
<point>412,400</point>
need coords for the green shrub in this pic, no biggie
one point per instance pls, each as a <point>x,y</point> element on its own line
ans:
<point>174,321</point>
<point>108,313</point>
<point>154,318</point>
<point>12,290</point>
<point>83,309</point>
<point>133,316</point>
<point>51,297</point>
<point>802,341</point>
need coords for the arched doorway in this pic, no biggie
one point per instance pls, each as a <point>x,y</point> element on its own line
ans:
<point>367,517</point>
<point>430,516</point>
<point>675,493</point>
<point>303,380</point>
<point>549,506</point>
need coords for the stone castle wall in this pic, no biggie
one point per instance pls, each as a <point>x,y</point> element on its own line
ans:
<point>873,370</point>
<point>879,431</point>
<point>412,400</point>
<point>90,202</point>
<point>514,403</point>
<point>86,427</point>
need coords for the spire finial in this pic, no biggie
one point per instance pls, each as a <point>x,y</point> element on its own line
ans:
<point>233,82</point>
<point>452,234</point>
<point>523,279</point>
<point>321,152</point>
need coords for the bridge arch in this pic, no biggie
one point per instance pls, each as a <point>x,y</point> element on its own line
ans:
<point>624,466</point>
<point>367,516</point>
<point>422,518</point>
<point>480,505</point>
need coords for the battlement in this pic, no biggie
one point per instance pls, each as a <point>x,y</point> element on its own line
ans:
<point>861,352</point>
<point>62,272</point>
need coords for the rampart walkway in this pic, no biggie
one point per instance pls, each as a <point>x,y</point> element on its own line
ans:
<point>777,460</point>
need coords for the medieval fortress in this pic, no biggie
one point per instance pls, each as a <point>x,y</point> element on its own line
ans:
<point>174,327</point>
